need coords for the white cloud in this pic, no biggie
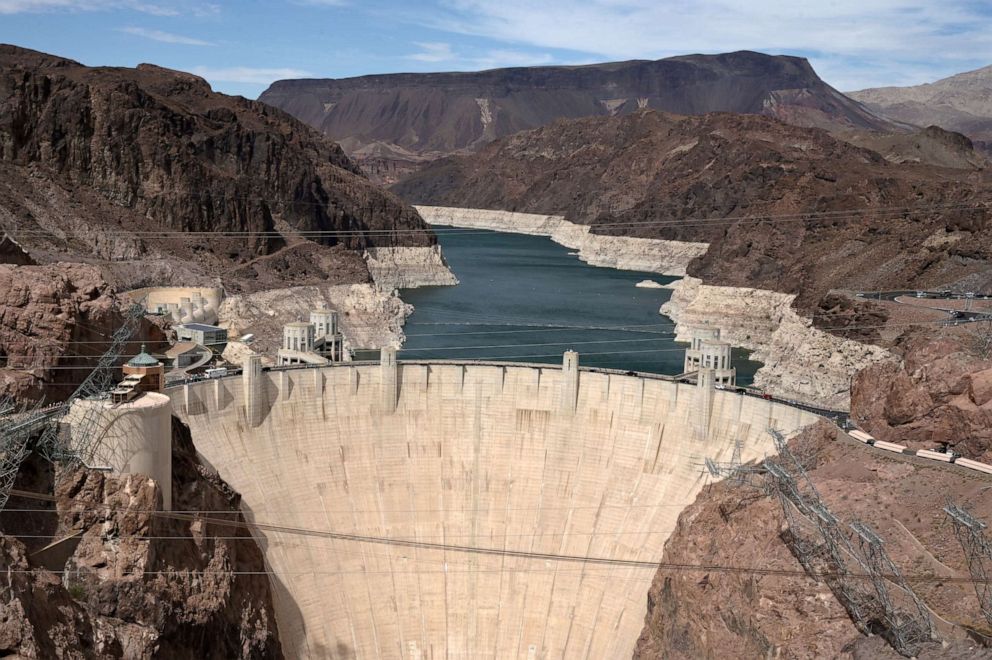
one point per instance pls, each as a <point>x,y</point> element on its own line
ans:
<point>35,6</point>
<point>923,36</point>
<point>165,37</point>
<point>248,75</point>
<point>501,57</point>
<point>154,10</point>
<point>432,51</point>
<point>441,51</point>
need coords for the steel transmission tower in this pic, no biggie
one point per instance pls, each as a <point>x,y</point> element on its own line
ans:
<point>970,532</point>
<point>822,546</point>
<point>18,425</point>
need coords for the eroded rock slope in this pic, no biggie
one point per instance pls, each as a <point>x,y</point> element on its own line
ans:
<point>750,597</point>
<point>743,184</point>
<point>119,165</point>
<point>138,584</point>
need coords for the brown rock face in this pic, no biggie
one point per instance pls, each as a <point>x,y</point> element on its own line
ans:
<point>941,396</point>
<point>97,162</point>
<point>55,321</point>
<point>932,145</point>
<point>693,178</point>
<point>137,585</point>
<point>714,613</point>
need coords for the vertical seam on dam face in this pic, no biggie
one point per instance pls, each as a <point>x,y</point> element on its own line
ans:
<point>479,455</point>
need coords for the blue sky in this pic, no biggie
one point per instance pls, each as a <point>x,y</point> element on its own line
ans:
<point>242,46</point>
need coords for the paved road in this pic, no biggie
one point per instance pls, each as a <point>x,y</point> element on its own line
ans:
<point>956,315</point>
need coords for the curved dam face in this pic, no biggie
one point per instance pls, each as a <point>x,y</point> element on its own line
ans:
<point>528,459</point>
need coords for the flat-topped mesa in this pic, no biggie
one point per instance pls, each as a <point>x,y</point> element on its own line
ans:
<point>493,469</point>
<point>416,116</point>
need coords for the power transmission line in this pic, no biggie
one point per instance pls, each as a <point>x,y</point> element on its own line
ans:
<point>496,552</point>
<point>841,214</point>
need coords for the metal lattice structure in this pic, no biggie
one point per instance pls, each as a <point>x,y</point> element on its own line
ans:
<point>970,532</point>
<point>20,424</point>
<point>734,470</point>
<point>821,544</point>
<point>906,628</point>
<point>82,445</point>
<point>818,543</point>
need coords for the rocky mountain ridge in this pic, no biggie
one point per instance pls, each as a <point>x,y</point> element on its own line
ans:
<point>390,123</point>
<point>961,102</point>
<point>129,167</point>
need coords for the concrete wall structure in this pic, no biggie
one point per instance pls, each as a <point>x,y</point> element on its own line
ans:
<point>707,353</point>
<point>693,354</point>
<point>325,322</point>
<point>182,304</point>
<point>298,336</point>
<point>470,455</point>
<point>128,438</point>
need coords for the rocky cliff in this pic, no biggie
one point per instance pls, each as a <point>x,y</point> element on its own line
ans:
<point>938,397</point>
<point>734,588</point>
<point>369,316</point>
<point>800,361</point>
<point>407,267</point>
<point>159,178</point>
<point>55,322</point>
<point>390,122</point>
<point>743,184</point>
<point>132,582</point>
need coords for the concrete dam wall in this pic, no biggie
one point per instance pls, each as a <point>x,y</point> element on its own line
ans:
<point>515,459</point>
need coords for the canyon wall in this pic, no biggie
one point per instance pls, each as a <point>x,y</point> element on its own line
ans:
<point>623,252</point>
<point>408,267</point>
<point>369,316</point>
<point>133,583</point>
<point>777,610</point>
<point>800,362</point>
<point>55,321</point>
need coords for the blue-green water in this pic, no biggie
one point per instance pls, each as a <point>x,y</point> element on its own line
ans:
<point>525,298</point>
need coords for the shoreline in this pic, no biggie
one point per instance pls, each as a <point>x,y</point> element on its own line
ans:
<point>799,362</point>
<point>621,252</point>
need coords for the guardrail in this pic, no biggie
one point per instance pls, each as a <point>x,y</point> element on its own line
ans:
<point>839,417</point>
<point>928,454</point>
<point>831,413</point>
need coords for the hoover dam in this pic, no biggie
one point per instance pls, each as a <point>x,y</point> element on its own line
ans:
<point>447,510</point>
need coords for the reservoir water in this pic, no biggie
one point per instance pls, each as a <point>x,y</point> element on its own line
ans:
<point>528,299</point>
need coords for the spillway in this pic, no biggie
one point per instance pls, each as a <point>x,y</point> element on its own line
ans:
<point>519,460</point>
